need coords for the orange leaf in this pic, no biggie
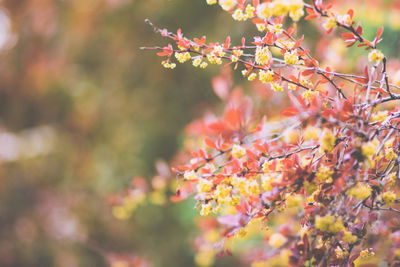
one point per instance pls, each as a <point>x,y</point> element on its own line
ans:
<point>289,112</point>
<point>210,143</point>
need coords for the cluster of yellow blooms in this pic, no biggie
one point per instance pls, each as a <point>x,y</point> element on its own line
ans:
<point>330,23</point>
<point>238,151</point>
<point>198,62</point>
<point>291,57</point>
<point>389,197</point>
<point>349,238</point>
<point>375,56</point>
<point>241,15</point>
<point>168,65</point>
<point>369,150</point>
<point>344,19</point>
<point>366,253</point>
<point>280,8</point>
<point>262,56</point>
<point>236,54</point>
<point>324,174</point>
<point>361,191</point>
<point>182,57</point>
<point>329,224</point>
<point>266,76</point>
<point>328,141</point>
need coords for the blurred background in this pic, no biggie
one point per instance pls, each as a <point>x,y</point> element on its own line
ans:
<point>83,111</point>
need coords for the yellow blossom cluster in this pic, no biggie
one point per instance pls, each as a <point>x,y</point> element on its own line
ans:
<point>369,150</point>
<point>182,57</point>
<point>389,197</point>
<point>238,151</point>
<point>330,23</point>
<point>327,141</point>
<point>366,253</point>
<point>242,15</point>
<point>324,174</point>
<point>291,57</point>
<point>168,65</point>
<point>349,238</point>
<point>329,223</point>
<point>266,76</point>
<point>262,55</point>
<point>361,191</point>
<point>294,8</point>
<point>198,62</point>
<point>375,56</point>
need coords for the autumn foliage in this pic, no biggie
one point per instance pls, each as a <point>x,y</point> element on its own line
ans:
<point>309,180</point>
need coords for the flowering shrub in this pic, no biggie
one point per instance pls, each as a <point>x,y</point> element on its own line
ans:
<point>316,184</point>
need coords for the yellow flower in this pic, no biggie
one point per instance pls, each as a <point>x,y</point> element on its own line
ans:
<point>308,95</point>
<point>276,87</point>
<point>168,65</point>
<point>379,116</point>
<point>211,2</point>
<point>339,253</point>
<point>277,240</point>
<point>389,197</point>
<point>292,86</point>
<point>250,11</point>
<point>330,23</point>
<point>375,56</point>
<point>324,174</point>
<point>291,57</point>
<point>293,201</point>
<point>203,65</point>
<point>227,4</point>
<point>349,238</point>
<point>344,19</point>
<point>239,15</point>
<point>360,191</point>
<point>204,185</point>
<point>252,76</point>
<point>369,150</point>
<point>366,253</point>
<point>276,28</point>
<point>182,57</point>
<point>327,141</point>
<point>266,76</point>
<point>262,55</point>
<point>206,209</point>
<point>311,133</point>
<point>196,62</point>
<point>261,28</point>
<point>291,136</point>
<point>329,224</point>
<point>190,175</point>
<point>296,15</point>
<point>238,151</point>
<point>264,10</point>
<point>221,194</point>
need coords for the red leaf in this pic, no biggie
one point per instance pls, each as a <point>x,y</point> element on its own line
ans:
<point>289,112</point>
<point>209,142</point>
<point>348,36</point>
<point>351,13</point>
<point>298,42</point>
<point>232,117</point>
<point>379,33</point>
<point>307,72</point>
<point>227,42</point>
<point>313,16</point>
